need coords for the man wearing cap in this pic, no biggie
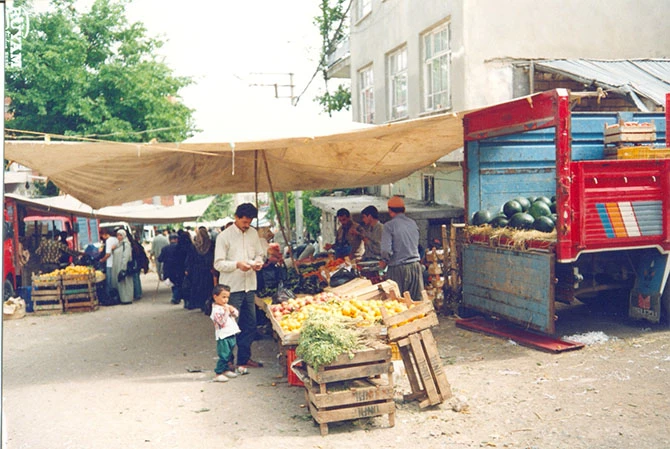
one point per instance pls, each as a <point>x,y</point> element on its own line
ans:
<point>400,250</point>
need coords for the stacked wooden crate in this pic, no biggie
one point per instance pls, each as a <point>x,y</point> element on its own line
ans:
<point>418,350</point>
<point>351,387</point>
<point>632,140</point>
<point>46,294</point>
<point>80,293</point>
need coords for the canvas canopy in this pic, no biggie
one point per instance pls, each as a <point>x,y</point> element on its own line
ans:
<point>144,213</point>
<point>109,173</point>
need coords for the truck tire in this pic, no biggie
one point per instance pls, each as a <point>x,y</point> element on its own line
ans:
<point>8,290</point>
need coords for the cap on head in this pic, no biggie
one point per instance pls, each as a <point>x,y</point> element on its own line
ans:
<point>396,201</point>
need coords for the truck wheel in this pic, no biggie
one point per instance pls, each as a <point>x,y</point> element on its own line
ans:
<point>8,290</point>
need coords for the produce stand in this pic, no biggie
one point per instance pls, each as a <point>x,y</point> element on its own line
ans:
<point>350,387</point>
<point>63,291</point>
<point>359,288</point>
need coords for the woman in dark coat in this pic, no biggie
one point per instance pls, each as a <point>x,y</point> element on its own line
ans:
<point>199,266</point>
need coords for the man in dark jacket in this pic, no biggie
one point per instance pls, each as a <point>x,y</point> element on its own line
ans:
<point>173,268</point>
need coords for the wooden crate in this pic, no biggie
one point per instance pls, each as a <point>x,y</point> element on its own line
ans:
<point>46,296</point>
<point>424,369</point>
<point>418,350</point>
<point>631,132</point>
<point>79,293</point>
<point>351,388</point>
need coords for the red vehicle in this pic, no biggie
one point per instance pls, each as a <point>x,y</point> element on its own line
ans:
<point>612,215</point>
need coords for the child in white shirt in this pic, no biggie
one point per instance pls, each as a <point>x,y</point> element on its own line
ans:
<point>223,315</point>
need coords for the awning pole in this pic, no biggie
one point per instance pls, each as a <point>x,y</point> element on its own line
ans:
<point>274,202</point>
<point>258,220</point>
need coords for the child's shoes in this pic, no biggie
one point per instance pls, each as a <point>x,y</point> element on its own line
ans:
<point>220,378</point>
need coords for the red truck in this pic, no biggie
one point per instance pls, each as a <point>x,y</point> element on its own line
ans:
<point>612,215</point>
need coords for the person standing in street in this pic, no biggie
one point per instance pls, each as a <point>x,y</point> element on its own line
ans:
<point>111,243</point>
<point>173,269</point>
<point>159,242</point>
<point>400,250</point>
<point>238,255</point>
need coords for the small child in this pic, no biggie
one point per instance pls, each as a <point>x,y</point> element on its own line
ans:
<point>223,315</point>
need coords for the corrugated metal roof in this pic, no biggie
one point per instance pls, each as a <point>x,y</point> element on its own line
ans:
<point>637,78</point>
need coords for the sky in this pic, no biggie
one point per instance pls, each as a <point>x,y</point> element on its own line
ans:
<point>223,45</point>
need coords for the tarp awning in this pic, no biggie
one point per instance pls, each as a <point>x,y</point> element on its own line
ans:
<point>639,79</point>
<point>108,173</point>
<point>145,213</point>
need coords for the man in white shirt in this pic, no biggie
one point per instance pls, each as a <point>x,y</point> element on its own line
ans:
<point>238,255</point>
<point>110,243</point>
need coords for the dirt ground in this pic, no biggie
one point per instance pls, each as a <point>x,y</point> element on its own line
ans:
<point>139,376</point>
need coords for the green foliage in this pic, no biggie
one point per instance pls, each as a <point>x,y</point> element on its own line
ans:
<point>332,28</point>
<point>222,206</point>
<point>94,74</point>
<point>324,337</point>
<point>311,214</point>
<point>337,101</point>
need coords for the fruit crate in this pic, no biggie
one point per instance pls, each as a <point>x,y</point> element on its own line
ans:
<point>46,295</point>
<point>350,387</point>
<point>418,350</point>
<point>79,293</point>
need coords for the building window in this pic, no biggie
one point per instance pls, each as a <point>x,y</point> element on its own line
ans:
<point>367,99</point>
<point>363,8</point>
<point>436,68</point>
<point>429,189</point>
<point>397,73</point>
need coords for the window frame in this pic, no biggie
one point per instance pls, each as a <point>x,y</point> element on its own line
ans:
<point>432,60</point>
<point>363,9</point>
<point>395,73</point>
<point>366,89</point>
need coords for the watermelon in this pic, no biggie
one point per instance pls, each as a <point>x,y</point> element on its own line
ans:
<point>544,224</point>
<point>532,199</point>
<point>525,204</point>
<point>499,221</point>
<point>553,217</point>
<point>481,217</point>
<point>521,220</point>
<point>543,199</point>
<point>552,206</point>
<point>539,209</point>
<point>512,207</point>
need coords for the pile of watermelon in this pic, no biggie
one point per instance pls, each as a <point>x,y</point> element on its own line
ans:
<point>538,213</point>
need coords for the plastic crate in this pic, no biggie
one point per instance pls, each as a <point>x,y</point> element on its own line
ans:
<point>293,379</point>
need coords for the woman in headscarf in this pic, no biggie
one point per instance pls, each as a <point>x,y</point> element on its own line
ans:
<point>199,266</point>
<point>122,280</point>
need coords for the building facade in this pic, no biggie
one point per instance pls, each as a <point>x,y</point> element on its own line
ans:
<point>408,59</point>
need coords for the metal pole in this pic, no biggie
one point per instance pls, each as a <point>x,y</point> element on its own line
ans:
<point>299,225</point>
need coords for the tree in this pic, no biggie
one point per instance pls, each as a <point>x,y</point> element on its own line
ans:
<point>332,28</point>
<point>95,75</point>
<point>222,206</point>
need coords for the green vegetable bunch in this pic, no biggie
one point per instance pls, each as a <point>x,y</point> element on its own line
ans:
<point>324,337</point>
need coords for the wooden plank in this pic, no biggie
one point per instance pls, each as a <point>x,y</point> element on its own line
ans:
<point>433,356</point>
<point>351,396</point>
<point>346,373</point>
<point>418,308</point>
<point>403,331</point>
<point>380,352</point>
<point>423,368</point>
<point>350,413</point>
<point>414,381</point>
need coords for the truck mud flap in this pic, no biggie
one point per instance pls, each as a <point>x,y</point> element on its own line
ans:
<point>517,286</point>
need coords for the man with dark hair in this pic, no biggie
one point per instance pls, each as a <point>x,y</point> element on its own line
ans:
<point>349,239</point>
<point>372,233</point>
<point>238,255</point>
<point>400,250</point>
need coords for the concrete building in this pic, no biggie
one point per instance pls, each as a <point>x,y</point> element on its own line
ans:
<point>408,59</point>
